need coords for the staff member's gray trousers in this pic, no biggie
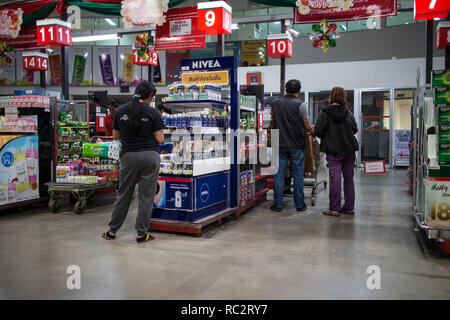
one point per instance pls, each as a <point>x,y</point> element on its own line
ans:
<point>142,165</point>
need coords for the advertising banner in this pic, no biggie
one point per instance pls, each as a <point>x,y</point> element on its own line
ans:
<point>80,69</point>
<point>180,31</point>
<point>19,166</point>
<point>217,77</point>
<point>233,48</point>
<point>105,63</point>
<point>401,143</point>
<point>8,73</point>
<point>54,74</point>
<point>316,10</point>
<point>27,39</point>
<point>174,194</point>
<point>173,62</point>
<point>437,203</point>
<point>25,77</point>
<point>211,190</point>
<point>253,53</point>
<point>129,74</point>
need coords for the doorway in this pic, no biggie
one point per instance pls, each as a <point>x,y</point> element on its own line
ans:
<point>375,123</point>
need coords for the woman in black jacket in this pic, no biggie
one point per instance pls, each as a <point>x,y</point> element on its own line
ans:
<point>336,126</point>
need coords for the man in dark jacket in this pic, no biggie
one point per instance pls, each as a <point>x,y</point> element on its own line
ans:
<point>290,117</point>
<point>336,126</point>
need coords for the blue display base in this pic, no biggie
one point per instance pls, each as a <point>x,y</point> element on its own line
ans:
<point>159,213</point>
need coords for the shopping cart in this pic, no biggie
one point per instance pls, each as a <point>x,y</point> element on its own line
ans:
<point>318,174</point>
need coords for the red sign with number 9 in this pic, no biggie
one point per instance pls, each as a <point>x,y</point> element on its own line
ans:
<point>214,17</point>
<point>280,45</point>
<point>53,33</point>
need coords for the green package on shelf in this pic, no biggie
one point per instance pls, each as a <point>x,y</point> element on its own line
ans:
<point>441,95</point>
<point>444,156</point>
<point>103,150</point>
<point>443,114</point>
<point>95,150</point>
<point>441,78</point>
<point>444,134</point>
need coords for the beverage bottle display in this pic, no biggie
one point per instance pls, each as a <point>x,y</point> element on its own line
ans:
<point>32,159</point>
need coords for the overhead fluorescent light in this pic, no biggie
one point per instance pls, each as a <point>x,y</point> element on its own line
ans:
<point>234,26</point>
<point>97,37</point>
<point>112,23</point>
<point>436,19</point>
<point>344,27</point>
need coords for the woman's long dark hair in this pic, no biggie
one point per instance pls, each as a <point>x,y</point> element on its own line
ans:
<point>144,90</point>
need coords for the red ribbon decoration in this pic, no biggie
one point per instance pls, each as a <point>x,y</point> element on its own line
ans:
<point>61,7</point>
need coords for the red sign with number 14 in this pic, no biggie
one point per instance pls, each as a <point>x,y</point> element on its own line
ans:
<point>35,61</point>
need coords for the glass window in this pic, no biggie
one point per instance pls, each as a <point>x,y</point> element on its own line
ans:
<point>87,23</point>
<point>106,23</point>
<point>255,12</point>
<point>275,27</point>
<point>303,29</point>
<point>276,10</point>
<point>400,19</point>
<point>128,39</point>
<point>107,43</point>
<point>358,25</point>
<point>260,31</point>
<point>403,100</point>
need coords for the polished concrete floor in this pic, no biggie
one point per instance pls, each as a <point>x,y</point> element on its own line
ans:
<point>262,255</point>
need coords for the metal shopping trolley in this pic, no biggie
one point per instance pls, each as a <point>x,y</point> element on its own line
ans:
<point>318,175</point>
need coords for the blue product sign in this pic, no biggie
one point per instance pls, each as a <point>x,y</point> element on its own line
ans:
<point>211,190</point>
<point>7,159</point>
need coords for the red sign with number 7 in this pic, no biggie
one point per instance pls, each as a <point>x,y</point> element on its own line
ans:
<point>53,33</point>
<point>429,9</point>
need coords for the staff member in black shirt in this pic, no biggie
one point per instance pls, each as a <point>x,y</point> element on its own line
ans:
<point>139,128</point>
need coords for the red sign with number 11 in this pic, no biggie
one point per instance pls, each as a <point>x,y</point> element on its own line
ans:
<point>53,33</point>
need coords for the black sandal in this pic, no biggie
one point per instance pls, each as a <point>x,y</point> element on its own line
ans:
<point>108,235</point>
<point>332,213</point>
<point>145,238</point>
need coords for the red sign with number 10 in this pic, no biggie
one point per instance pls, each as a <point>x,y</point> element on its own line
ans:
<point>53,33</point>
<point>34,61</point>
<point>214,17</point>
<point>280,45</point>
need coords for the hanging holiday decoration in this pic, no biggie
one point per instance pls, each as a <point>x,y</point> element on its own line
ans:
<point>305,6</point>
<point>10,22</point>
<point>143,46</point>
<point>144,51</point>
<point>6,52</point>
<point>324,35</point>
<point>143,12</point>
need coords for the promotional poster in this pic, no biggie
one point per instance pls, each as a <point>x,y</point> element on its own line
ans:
<point>19,166</point>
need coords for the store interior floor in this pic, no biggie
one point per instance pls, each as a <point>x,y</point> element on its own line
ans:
<point>261,255</point>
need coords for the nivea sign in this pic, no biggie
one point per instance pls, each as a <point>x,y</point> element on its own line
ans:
<point>208,63</point>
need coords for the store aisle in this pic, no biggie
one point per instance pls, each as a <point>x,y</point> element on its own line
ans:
<point>262,255</point>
